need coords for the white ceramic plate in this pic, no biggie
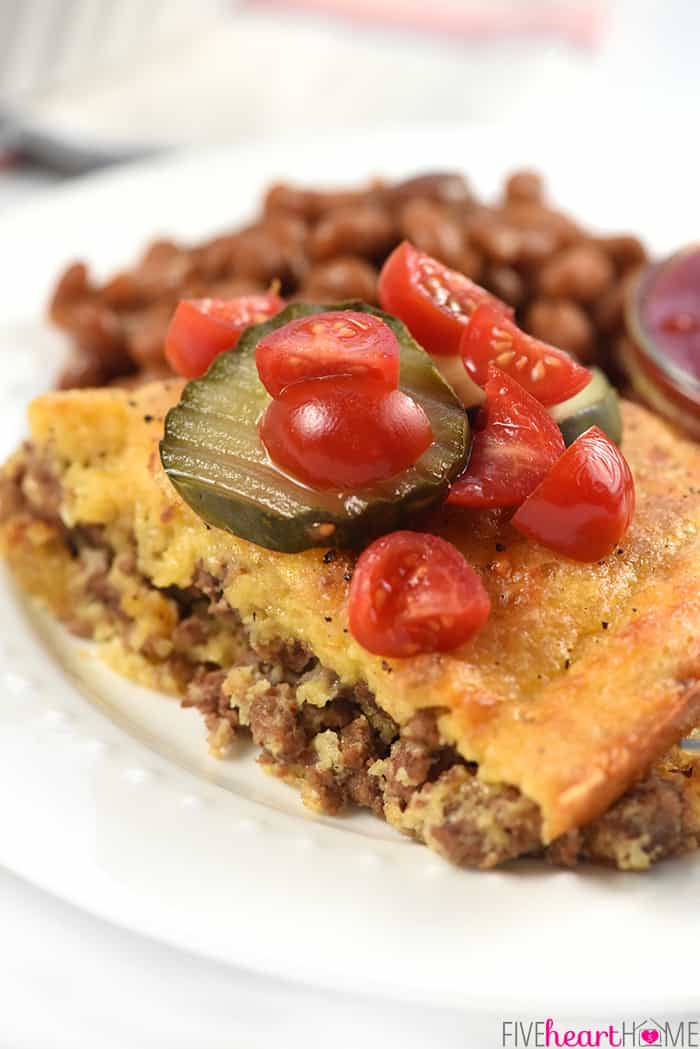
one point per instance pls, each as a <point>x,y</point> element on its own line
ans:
<point>107,796</point>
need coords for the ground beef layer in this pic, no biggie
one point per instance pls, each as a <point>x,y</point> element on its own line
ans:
<point>333,743</point>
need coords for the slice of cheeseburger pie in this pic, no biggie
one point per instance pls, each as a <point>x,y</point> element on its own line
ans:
<point>427,584</point>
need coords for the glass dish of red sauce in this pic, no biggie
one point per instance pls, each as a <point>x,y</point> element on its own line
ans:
<point>662,354</point>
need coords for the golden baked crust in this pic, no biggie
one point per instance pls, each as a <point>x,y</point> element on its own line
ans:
<point>583,676</point>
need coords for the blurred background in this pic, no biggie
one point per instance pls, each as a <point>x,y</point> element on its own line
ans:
<point>88,82</point>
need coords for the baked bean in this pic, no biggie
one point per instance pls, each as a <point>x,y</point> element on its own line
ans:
<point>123,291</point>
<point>347,277</point>
<point>311,204</point>
<point>159,252</point>
<point>73,286</point>
<point>330,200</point>
<point>158,372</point>
<point>567,284</point>
<point>146,338</point>
<point>233,287</point>
<point>99,352</point>
<point>85,369</point>
<point>524,185</point>
<point>257,255</point>
<point>505,282</point>
<point>536,246</point>
<point>581,272</point>
<point>608,311</point>
<point>215,258</point>
<point>97,330</point>
<point>441,187</point>
<point>499,242</point>
<point>530,215</point>
<point>287,229</point>
<point>162,274</point>
<point>564,324</point>
<point>625,250</point>
<point>364,230</point>
<point>431,228</point>
<point>282,197</point>
<point>470,263</point>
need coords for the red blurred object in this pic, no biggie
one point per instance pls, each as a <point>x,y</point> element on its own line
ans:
<point>581,24</point>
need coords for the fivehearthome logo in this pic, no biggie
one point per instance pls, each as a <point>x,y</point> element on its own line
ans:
<point>624,1034</point>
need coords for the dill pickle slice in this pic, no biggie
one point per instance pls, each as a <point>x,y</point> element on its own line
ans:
<point>597,404</point>
<point>213,455</point>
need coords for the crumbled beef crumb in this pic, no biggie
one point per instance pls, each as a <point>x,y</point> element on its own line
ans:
<point>357,744</point>
<point>476,824</point>
<point>325,791</point>
<point>189,632</point>
<point>31,486</point>
<point>205,692</point>
<point>293,656</point>
<point>565,850</point>
<point>645,824</point>
<point>207,584</point>
<point>275,723</point>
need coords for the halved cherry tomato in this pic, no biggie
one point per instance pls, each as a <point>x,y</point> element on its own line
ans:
<point>201,329</point>
<point>340,342</point>
<point>434,302</point>
<point>516,442</point>
<point>584,505</point>
<point>344,432</point>
<point>548,374</point>
<point>413,592</point>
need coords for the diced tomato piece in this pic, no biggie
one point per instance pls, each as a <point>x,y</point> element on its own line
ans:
<point>585,504</point>
<point>548,374</point>
<point>516,442</point>
<point>340,342</point>
<point>344,432</point>
<point>413,592</point>
<point>433,301</point>
<point>201,329</point>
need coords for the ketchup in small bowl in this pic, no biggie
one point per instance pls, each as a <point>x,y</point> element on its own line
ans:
<point>662,354</point>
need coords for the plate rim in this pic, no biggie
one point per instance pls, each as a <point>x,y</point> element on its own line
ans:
<point>103,185</point>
